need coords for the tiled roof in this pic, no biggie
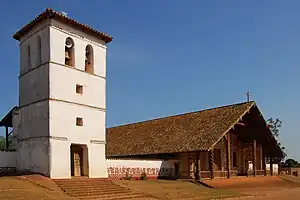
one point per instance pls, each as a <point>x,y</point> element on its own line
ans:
<point>51,14</point>
<point>180,133</point>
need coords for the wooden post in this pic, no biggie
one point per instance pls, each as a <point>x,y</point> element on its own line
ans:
<point>197,173</point>
<point>228,155</point>
<point>6,137</point>
<point>188,166</point>
<point>264,167</point>
<point>254,157</point>
<point>211,163</point>
<point>271,165</point>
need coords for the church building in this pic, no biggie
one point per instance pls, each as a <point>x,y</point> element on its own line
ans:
<point>58,128</point>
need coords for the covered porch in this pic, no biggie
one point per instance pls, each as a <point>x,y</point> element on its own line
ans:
<point>7,123</point>
<point>244,150</point>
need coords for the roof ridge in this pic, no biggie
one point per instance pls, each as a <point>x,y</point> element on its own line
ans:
<point>160,118</point>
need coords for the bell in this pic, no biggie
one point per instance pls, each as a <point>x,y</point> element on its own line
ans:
<point>67,55</point>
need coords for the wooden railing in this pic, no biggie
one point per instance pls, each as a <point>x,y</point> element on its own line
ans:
<point>260,172</point>
<point>205,174</point>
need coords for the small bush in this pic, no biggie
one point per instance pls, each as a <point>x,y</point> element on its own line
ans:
<point>127,177</point>
<point>143,176</point>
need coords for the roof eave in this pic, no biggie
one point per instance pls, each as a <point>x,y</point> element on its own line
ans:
<point>51,14</point>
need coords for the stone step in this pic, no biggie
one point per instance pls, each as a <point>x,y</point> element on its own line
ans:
<point>96,189</point>
<point>113,197</point>
<point>69,190</point>
<point>91,187</point>
<point>102,193</point>
<point>85,184</point>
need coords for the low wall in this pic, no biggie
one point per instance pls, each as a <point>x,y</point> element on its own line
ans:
<point>7,161</point>
<point>154,169</point>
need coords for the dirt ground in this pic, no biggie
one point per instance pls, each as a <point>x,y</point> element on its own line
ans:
<point>14,188</point>
<point>275,188</point>
<point>287,194</point>
<point>260,188</point>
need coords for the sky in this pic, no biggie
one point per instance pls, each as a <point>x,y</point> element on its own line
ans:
<point>173,56</point>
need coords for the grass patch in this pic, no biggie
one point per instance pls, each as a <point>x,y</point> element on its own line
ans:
<point>175,190</point>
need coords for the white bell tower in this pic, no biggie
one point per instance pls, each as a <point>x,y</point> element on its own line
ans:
<point>62,84</point>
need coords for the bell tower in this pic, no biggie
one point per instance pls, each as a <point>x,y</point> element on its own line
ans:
<point>62,97</point>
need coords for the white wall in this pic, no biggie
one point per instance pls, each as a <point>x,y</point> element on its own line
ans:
<point>153,168</point>
<point>63,122</point>
<point>31,39</point>
<point>60,159</point>
<point>58,35</point>
<point>63,82</point>
<point>33,155</point>
<point>8,159</point>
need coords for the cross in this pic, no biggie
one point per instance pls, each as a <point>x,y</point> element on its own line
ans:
<point>248,96</point>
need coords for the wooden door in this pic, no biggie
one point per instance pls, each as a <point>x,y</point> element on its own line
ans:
<point>77,163</point>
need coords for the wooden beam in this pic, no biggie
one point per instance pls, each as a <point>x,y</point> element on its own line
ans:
<point>241,124</point>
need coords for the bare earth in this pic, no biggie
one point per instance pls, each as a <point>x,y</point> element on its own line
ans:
<point>260,188</point>
<point>17,188</point>
<point>287,194</point>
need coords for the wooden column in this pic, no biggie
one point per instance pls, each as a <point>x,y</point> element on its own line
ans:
<point>197,171</point>
<point>264,167</point>
<point>211,163</point>
<point>271,165</point>
<point>188,166</point>
<point>6,137</point>
<point>254,157</point>
<point>228,155</point>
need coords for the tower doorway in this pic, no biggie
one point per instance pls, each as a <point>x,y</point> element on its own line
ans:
<point>79,160</point>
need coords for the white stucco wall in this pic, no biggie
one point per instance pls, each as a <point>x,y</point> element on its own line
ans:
<point>31,39</point>
<point>33,155</point>
<point>58,35</point>
<point>63,122</point>
<point>66,105</point>
<point>8,159</point>
<point>153,168</point>
<point>60,159</point>
<point>63,82</point>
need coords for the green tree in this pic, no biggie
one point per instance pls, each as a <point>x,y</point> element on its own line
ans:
<point>291,163</point>
<point>2,142</point>
<point>275,125</point>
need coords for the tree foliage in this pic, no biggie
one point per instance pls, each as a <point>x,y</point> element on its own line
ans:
<point>290,163</point>
<point>275,125</point>
<point>3,141</point>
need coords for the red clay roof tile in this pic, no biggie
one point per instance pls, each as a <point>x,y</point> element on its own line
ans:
<point>51,14</point>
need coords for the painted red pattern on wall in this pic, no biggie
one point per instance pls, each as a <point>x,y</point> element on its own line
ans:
<point>119,172</point>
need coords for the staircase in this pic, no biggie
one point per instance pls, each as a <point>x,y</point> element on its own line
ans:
<point>104,189</point>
